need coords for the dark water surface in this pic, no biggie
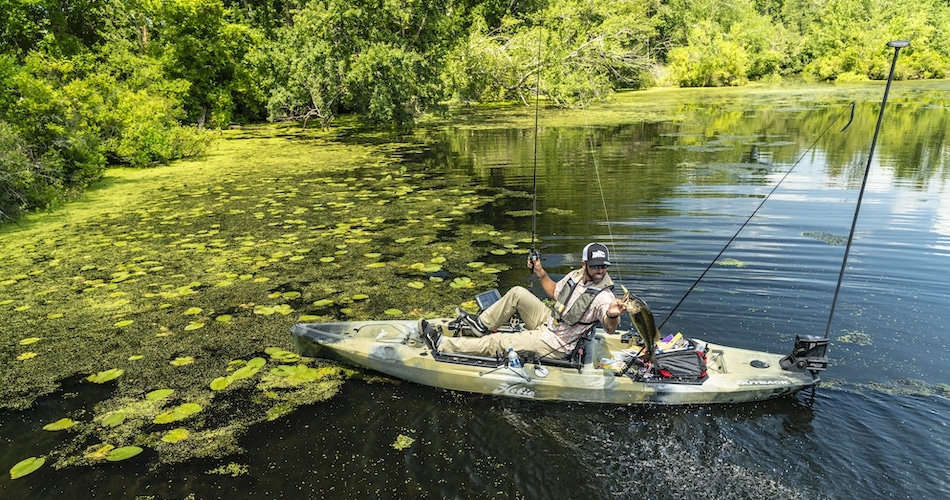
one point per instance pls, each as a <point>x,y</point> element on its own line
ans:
<point>666,197</point>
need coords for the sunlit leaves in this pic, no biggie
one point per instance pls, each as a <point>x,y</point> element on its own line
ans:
<point>180,412</point>
<point>26,466</point>
<point>123,453</point>
<point>105,376</point>
<point>159,394</point>
<point>113,419</point>
<point>99,452</point>
<point>176,435</point>
<point>182,361</point>
<point>282,355</point>
<point>61,424</point>
<point>462,282</point>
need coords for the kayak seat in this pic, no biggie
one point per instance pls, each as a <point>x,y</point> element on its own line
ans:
<point>576,358</point>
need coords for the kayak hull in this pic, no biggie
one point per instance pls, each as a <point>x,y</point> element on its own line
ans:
<point>396,348</point>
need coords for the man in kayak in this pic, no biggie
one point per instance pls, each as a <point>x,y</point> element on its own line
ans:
<point>582,298</point>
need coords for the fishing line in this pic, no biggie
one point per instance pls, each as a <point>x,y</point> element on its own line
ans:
<point>744,224</point>
<point>600,186</point>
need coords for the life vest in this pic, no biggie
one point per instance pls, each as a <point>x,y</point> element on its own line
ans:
<point>573,315</point>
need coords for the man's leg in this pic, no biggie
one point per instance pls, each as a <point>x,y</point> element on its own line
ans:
<point>497,344</point>
<point>519,300</point>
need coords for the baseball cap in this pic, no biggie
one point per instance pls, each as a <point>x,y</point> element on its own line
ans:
<point>595,254</point>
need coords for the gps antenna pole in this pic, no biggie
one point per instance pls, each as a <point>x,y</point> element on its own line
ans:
<point>898,45</point>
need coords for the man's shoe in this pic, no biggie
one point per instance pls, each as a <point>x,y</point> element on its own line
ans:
<point>432,338</point>
<point>473,323</point>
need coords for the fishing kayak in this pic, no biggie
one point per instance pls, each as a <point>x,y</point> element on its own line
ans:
<point>605,368</point>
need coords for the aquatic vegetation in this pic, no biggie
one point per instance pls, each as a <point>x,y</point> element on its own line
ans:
<point>855,337</point>
<point>232,469</point>
<point>831,239</point>
<point>61,424</point>
<point>167,276</point>
<point>123,453</point>
<point>105,376</point>
<point>730,263</point>
<point>26,466</point>
<point>402,442</point>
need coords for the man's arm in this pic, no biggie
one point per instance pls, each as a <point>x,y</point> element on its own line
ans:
<point>611,319</point>
<point>547,283</point>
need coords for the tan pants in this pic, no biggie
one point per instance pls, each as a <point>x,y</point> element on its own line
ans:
<point>533,312</point>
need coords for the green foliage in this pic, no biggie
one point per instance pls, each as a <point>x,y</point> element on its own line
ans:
<point>850,41</point>
<point>586,49</point>
<point>379,59</point>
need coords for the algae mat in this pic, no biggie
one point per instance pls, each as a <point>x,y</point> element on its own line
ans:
<point>175,287</point>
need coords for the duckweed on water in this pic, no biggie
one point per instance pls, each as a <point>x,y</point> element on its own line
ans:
<point>161,278</point>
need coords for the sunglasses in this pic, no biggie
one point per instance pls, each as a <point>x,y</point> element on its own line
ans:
<point>601,266</point>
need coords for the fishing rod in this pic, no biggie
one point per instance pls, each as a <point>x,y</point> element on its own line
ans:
<point>897,45</point>
<point>535,253</point>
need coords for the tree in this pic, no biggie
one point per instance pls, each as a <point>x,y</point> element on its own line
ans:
<point>587,49</point>
<point>379,58</point>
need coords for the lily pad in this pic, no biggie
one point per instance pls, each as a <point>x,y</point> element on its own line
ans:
<point>136,357</point>
<point>360,296</point>
<point>159,394</point>
<point>194,325</point>
<point>180,412</point>
<point>113,419</point>
<point>26,355</point>
<point>124,323</point>
<point>105,376</point>
<point>193,311</point>
<point>26,466</point>
<point>220,383</point>
<point>418,285</point>
<point>61,424</point>
<point>182,361</point>
<point>461,282</point>
<point>375,265</point>
<point>393,312</point>
<point>282,355</point>
<point>123,453</point>
<point>30,340</point>
<point>224,318</point>
<point>176,435</point>
<point>323,302</point>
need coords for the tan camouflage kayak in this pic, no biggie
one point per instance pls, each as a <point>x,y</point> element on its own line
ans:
<point>611,369</point>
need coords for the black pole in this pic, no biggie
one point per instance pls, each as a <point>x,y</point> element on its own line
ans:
<point>535,254</point>
<point>898,45</point>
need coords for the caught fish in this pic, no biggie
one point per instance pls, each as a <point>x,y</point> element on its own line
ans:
<point>642,318</point>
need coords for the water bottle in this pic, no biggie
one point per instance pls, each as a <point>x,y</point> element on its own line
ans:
<point>513,360</point>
